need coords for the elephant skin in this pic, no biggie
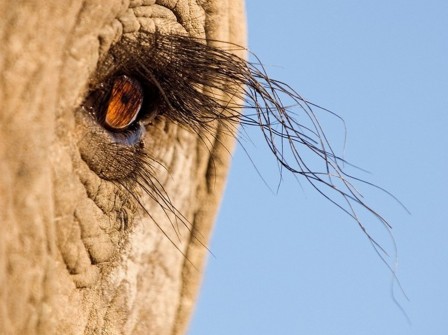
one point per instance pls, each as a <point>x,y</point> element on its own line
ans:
<point>77,256</point>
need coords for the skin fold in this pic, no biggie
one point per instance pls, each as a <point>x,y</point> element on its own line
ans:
<point>78,254</point>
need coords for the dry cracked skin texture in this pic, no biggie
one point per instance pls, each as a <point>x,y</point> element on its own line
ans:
<point>77,256</point>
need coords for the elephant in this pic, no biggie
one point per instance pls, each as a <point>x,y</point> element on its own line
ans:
<point>118,122</point>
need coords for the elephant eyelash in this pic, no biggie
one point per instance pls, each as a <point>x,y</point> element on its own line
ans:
<point>189,76</point>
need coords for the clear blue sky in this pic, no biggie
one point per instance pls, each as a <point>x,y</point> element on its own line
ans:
<point>292,263</point>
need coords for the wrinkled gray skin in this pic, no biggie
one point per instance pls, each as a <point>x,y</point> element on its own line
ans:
<point>67,266</point>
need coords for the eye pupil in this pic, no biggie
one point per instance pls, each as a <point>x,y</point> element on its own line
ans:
<point>124,103</point>
<point>125,98</point>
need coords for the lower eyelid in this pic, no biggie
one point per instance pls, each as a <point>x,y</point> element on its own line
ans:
<point>111,156</point>
<point>129,137</point>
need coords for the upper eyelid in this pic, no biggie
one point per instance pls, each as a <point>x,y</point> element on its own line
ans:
<point>149,18</point>
<point>154,59</point>
<point>116,60</point>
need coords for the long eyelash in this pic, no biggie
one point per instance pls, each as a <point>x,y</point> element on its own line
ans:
<point>191,76</point>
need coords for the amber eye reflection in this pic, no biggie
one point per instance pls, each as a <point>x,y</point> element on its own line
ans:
<point>124,104</point>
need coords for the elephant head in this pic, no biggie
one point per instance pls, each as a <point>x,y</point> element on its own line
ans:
<point>104,230</point>
<point>117,124</point>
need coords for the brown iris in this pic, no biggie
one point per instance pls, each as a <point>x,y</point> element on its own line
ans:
<point>124,103</point>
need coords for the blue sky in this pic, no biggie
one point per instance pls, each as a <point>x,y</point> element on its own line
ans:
<point>292,263</point>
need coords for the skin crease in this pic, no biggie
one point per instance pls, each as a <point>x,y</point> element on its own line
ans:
<point>67,266</point>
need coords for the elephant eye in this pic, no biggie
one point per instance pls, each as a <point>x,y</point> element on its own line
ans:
<point>124,103</point>
<point>195,85</point>
<point>121,103</point>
